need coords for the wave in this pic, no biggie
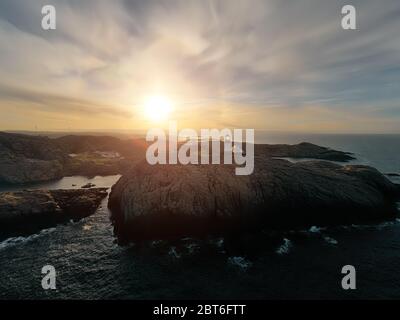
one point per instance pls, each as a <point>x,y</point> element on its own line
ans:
<point>315,229</point>
<point>11,242</point>
<point>330,240</point>
<point>173,253</point>
<point>240,262</point>
<point>378,226</point>
<point>285,247</point>
<point>192,247</point>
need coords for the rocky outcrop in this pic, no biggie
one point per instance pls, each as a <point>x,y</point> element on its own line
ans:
<point>171,201</point>
<point>26,212</point>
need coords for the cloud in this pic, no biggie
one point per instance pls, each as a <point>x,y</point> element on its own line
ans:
<point>205,55</point>
<point>59,104</point>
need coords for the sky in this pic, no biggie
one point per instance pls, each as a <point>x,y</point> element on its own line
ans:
<point>279,65</point>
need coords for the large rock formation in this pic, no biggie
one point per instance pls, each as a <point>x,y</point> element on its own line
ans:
<point>26,212</point>
<point>175,200</point>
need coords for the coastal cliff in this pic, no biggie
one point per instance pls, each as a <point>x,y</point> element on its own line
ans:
<point>26,212</point>
<point>154,202</point>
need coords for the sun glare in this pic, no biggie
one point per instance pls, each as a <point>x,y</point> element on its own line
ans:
<point>157,108</point>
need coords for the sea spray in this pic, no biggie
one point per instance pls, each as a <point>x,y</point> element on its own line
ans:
<point>11,242</point>
<point>240,262</point>
<point>285,247</point>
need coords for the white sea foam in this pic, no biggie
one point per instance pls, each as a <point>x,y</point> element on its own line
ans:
<point>388,224</point>
<point>240,262</point>
<point>156,243</point>
<point>192,247</point>
<point>11,242</point>
<point>379,226</point>
<point>172,252</point>
<point>330,240</point>
<point>315,229</point>
<point>285,247</point>
<point>187,239</point>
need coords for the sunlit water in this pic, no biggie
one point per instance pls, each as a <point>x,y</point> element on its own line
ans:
<point>301,264</point>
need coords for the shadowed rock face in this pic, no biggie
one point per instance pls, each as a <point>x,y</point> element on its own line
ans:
<point>170,201</point>
<point>26,212</point>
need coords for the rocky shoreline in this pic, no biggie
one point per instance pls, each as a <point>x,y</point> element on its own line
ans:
<point>29,211</point>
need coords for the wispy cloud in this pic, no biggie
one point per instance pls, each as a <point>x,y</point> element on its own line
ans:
<point>60,104</point>
<point>207,55</point>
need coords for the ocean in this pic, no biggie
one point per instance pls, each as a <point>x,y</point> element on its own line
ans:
<point>301,264</point>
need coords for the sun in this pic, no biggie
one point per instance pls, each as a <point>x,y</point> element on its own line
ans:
<point>157,108</point>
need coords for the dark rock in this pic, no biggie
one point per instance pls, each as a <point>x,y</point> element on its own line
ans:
<point>169,201</point>
<point>88,185</point>
<point>26,212</point>
<point>392,174</point>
